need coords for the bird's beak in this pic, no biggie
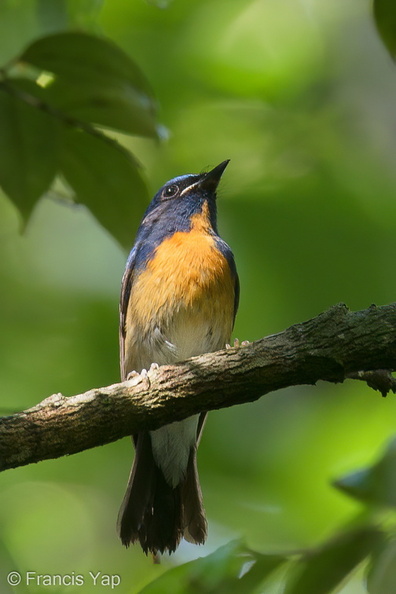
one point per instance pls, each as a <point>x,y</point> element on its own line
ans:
<point>208,181</point>
<point>211,180</point>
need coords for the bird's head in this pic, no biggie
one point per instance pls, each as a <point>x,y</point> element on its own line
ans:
<point>187,195</point>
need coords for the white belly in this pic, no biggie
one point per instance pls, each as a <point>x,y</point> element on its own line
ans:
<point>172,444</point>
<point>171,448</point>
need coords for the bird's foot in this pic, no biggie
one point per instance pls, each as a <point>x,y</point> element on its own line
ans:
<point>143,376</point>
<point>237,344</point>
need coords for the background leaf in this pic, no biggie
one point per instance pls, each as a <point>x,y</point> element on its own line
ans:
<point>107,180</point>
<point>96,80</point>
<point>113,106</point>
<point>375,485</point>
<point>325,568</point>
<point>258,572</point>
<point>77,55</point>
<point>381,576</point>
<point>29,151</point>
<point>204,575</point>
<point>385,19</point>
<point>219,572</point>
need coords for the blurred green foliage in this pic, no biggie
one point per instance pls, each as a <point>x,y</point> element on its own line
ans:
<point>301,97</point>
<point>74,81</point>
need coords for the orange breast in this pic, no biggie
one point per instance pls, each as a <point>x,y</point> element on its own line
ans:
<point>187,272</point>
<point>182,304</point>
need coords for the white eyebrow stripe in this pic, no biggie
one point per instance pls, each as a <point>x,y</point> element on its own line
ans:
<point>189,187</point>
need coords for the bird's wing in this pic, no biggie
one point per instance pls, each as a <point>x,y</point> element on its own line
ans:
<point>126,285</point>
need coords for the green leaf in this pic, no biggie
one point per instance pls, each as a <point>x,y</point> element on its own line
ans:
<point>385,19</point>
<point>261,569</point>
<point>95,81</point>
<point>321,570</point>
<point>29,148</point>
<point>104,105</point>
<point>218,572</point>
<point>381,576</point>
<point>375,485</point>
<point>201,576</point>
<point>107,180</point>
<point>77,56</point>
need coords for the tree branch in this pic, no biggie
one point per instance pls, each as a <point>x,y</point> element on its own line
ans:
<point>335,344</point>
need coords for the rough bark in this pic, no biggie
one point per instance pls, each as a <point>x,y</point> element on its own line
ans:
<point>334,345</point>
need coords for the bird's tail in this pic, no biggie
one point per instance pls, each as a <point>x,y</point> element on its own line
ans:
<point>156,514</point>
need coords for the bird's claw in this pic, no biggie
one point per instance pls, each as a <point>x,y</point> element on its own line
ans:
<point>143,376</point>
<point>237,344</point>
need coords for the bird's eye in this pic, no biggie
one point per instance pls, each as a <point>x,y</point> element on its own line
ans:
<point>170,191</point>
